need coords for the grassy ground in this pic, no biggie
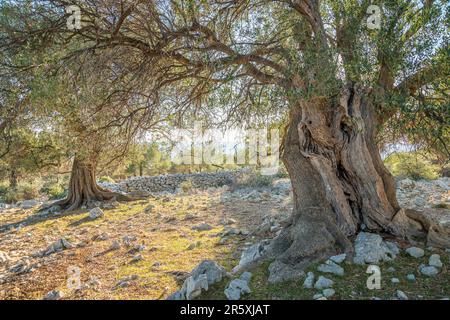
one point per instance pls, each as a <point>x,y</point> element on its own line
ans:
<point>353,284</point>
<point>165,232</point>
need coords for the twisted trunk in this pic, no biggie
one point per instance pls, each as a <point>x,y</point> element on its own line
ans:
<point>84,190</point>
<point>340,184</point>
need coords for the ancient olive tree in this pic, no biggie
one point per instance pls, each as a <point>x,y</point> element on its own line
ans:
<point>342,73</point>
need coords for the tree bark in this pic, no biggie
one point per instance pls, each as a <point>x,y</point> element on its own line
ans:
<point>84,190</point>
<point>13,179</point>
<point>339,182</point>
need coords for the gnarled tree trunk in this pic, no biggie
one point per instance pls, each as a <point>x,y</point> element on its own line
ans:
<point>339,182</point>
<point>84,190</point>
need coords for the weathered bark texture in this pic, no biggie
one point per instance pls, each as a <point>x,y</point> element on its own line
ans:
<point>339,182</point>
<point>84,190</point>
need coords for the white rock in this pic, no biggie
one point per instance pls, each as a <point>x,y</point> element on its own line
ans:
<point>236,288</point>
<point>415,252</point>
<point>194,286</point>
<point>323,283</point>
<point>429,271</point>
<point>338,258</point>
<point>370,248</point>
<point>202,227</point>
<point>96,213</point>
<point>328,293</point>
<point>309,281</point>
<point>435,261</point>
<point>411,277</point>
<point>250,255</point>
<point>401,295</point>
<point>54,295</point>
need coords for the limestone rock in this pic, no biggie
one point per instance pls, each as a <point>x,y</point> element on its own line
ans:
<point>411,277</point>
<point>428,271</point>
<point>202,227</point>
<point>54,295</point>
<point>211,269</point>
<point>279,272</point>
<point>415,252</point>
<point>331,267</point>
<point>236,288</point>
<point>323,283</point>
<point>194,286</point>
<point>370,248</point>
<point>401,295</point>
<point>435,261</point>
<point>338,258</point>
<point>250,255</point>
<point>309,281</point>
<point>57,246</point>
<point>327,293</point>
<point>96,213</point>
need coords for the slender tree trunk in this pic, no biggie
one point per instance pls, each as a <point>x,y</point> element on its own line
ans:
<point>13,179</point>
<point>84,190</point>
<point>141,169</point>
<point>340,184</point>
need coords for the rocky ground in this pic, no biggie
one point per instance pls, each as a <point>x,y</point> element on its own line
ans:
<point>185,245</point>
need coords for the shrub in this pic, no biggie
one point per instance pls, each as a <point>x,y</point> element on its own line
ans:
<point>186,186</point>
<point>441,205</point>
<point>24,191</point>
<point>106,179</point>
<point>411,165</point>
<point>3,188</point>
<point>28,191</point>
<point>11,196</point>
<point>56,192</point>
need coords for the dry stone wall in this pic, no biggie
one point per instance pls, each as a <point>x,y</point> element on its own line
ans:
<point>170,182</point>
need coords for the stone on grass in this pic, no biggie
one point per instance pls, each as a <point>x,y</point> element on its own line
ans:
<point>211,269</point>
<point>236,288</point>
<point>137,258</point>
<point>392,247</point>
<point>193,286</point>
<point>331,267</point>
<point>370,248</point>
<point>395,280</point>
<point>411,277</point>
<point>96,213</point>
<point>115,245</point>
<point>202,227</point>
<point>126,281</point>
<point>250,255</point>
<point>279,272</point>
<point>54,295</point>
<point>204,274</point>
<point>57,246</point>
<point>318,296</point>
<point>309,281</point>
<point>415,252</point>
<point>390,269</point>
<point>149,208</point>
<point>323,283</point>
<point>246,276</point>
<point>435,261</point>
<point>28,204</point>
<point>328,292</point>
<point>338,258</point>
<point>428,271</point>
<point>401,295</point>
